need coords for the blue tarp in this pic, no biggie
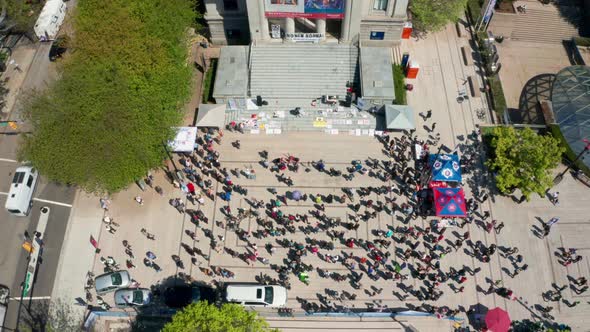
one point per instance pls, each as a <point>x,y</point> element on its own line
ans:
<point>445,167</point>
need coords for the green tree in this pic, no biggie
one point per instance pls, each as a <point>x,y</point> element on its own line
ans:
<point>433,15</point>
<point>21,15</point>
<point>102,125</point>
<point>524,160</point>
<point>204,317</point>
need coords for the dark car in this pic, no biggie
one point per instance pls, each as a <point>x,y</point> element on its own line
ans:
<point>181,296</point>
<point>58,48</point>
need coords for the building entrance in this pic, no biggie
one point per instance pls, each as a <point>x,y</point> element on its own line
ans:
<point>333,29</point>
<point>304,25</point>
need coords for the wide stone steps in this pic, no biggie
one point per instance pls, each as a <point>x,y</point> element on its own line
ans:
<point>546,26</point>
<point>302,71</point>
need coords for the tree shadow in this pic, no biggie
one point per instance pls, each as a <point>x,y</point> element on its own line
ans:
<point>154,316</point>
<point>56,315</point>
<point>573,13</point>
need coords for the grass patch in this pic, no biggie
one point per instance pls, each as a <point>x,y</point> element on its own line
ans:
<point>582,41</point>
<point>569,154</point>
<point>498,99</point>
<point>209,82</point>
<point>399,85</point>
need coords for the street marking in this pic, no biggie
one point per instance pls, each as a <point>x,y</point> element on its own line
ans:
<point>52,202</point>
<point>31,298</point>
<point>44,201</point>
<point>9,160</point>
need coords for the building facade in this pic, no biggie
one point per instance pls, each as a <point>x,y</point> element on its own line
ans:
<point>370,22</point>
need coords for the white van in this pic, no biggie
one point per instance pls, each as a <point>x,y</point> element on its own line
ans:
<point>20,195</point>
<point>256,295</point>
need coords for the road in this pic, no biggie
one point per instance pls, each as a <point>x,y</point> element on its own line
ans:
<point>13,259</point>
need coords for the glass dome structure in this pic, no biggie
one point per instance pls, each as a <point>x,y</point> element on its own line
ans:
<point>570,96</point>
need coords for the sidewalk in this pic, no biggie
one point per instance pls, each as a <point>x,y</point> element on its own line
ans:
<point>23,55</point>
<point>77,252</point>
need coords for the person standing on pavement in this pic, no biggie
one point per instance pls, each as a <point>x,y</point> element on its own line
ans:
<point>104,204</point>
<point>139,200</point>
<point>555,198</point>
<point>547,226</point>
<point>552,221</point>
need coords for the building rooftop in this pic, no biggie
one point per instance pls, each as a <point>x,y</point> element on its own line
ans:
<point>376,73</point>
<point>232,72</point>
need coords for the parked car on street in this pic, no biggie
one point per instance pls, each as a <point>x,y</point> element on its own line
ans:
<point>58,47</point>
<point>109,282</point>
<point>128,297</point>
<point>256,295</point>
<point>20,195</point>
<point>181,296</point>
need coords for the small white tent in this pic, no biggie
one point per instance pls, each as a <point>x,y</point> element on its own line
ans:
<point>51,17</point>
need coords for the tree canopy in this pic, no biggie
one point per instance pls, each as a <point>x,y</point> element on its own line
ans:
<point>103,124</point>
<point>204,317</point>
<point>20,15</point>
<point>524,160</point>
<point>433,15</point>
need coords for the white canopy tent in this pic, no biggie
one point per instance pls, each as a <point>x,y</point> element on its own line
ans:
<point>399,117</point>
<point>211,116</point>
<point>185,139</point>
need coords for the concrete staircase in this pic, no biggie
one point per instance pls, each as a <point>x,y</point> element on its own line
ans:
<point>545,24</point>
<point>301,71</point>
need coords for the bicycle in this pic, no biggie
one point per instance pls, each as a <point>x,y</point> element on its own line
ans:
<point>481,113</point>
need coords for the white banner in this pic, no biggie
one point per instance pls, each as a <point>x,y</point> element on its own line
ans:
<point>300,36</point>
<point>275,31</point>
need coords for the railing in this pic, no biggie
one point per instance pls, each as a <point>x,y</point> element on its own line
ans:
<point>249,66</point>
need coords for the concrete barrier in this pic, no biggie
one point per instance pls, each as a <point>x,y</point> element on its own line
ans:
<point>466,53</point>
<point>474,86</point>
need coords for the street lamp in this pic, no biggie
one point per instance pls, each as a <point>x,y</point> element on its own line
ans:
<point>586,148</point>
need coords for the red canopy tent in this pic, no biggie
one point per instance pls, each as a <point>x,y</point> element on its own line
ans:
<point>449,202</point>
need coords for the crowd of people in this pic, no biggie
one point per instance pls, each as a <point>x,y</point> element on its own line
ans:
<point>410,249</point>
<point>419,250</point>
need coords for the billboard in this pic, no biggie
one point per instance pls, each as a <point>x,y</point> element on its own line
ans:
<point>326,9</point>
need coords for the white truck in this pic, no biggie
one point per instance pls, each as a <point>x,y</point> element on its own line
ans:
<point>50,19</point>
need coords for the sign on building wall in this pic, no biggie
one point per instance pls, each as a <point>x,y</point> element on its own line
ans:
<point>326,9</point>
<point>304,37</point>
<point>275,31</point>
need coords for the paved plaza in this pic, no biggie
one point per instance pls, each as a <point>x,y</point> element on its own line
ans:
<point>442,75</point>
<point>169,227</point>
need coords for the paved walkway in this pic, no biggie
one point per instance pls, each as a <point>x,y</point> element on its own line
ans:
<point>14,76</point>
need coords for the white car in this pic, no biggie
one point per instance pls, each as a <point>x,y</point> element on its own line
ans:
<point>109,282</point>
<point>128,297</point>
<point>256,295</point>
